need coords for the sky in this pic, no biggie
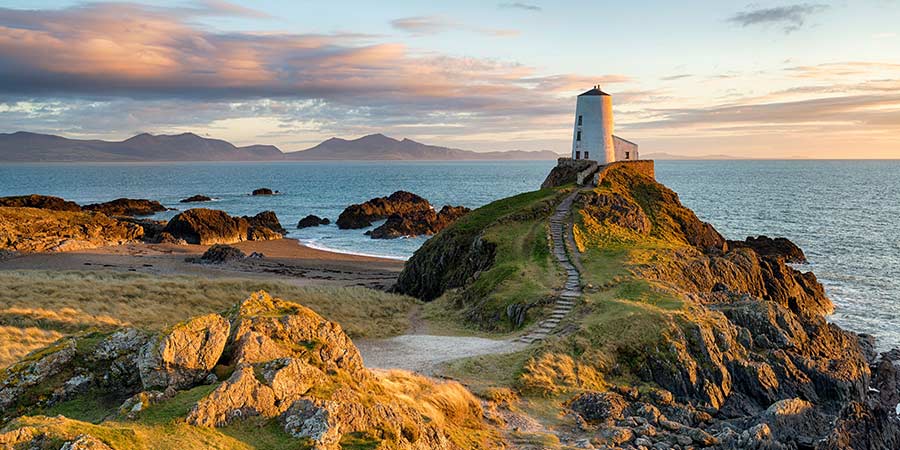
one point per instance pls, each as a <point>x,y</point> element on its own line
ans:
<point>764,79</point>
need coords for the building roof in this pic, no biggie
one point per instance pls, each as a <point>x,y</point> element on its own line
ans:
<point>594,91</point>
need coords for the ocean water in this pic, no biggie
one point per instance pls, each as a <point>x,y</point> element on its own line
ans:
<point>844,214</point>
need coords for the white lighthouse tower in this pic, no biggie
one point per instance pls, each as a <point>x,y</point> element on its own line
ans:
<point>593,135</point>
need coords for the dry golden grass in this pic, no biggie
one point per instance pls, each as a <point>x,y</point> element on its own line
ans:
<point>37,307</point>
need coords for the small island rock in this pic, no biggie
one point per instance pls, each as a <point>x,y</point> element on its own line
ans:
<point>196,199</point>
<point>363,214</point>
<point>127,207</point>
<point>418,223</point>
<point>312,221</point>
<point>263,191</point>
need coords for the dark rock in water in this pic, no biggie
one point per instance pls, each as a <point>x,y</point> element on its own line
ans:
<point>127,207</point>
<point>263,191</point>
<point>221,253</point>
<point>40,202</point>
<point>208,226</point>
<point>312,221</point>
<point>418,223</point>
<point>196,199</point>
<point>362,215</point>
<point>768,247</point>
<point>265,224</point>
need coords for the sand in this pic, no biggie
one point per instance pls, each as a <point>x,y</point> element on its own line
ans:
<point>285,260</point>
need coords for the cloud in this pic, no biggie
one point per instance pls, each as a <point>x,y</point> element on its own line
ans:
<point>791,17</point>
<point>428,25</point>
<point>520,5</point>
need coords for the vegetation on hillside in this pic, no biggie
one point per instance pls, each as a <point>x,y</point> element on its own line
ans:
<point>39,307</point>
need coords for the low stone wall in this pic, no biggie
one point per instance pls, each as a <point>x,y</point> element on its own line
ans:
<point>643,167</point>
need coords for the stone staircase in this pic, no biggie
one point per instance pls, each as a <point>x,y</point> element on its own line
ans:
<point>565,302</point>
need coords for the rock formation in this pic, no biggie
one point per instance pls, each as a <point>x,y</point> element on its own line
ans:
<point>127,207</point>
<point>565,172</point>
<point>263,191</point>
<point>312,221</point>
<point>279,363</point>
<point>778,247</point>
<point>196,199</point>
<point>29,230</point>
<point>221,253</point>
<point>40,202</point>
<point>418,223</point>
<point>208,226</point>
<point>362,215</point>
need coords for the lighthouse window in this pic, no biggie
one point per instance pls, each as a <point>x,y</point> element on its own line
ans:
<point>578,136</point>
<point>579,121</point>
<point>627,155</point>
<point>587,154</point>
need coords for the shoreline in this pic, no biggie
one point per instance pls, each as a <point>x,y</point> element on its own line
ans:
<point>285,260</point>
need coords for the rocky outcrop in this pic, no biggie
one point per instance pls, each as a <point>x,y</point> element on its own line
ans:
<point>362,215</point>
<point>221,253</point>
<point>418,223</point>
<point>263,191</point>
<point>184,355</point>
<point>196,199</point>
<point>208,226</point>
<point>127,207</point>
<point>267,225</point>
<point>312,221</point>
<point>768,247</point>
<point>30,230</point>
<point>40,202</point>
<point>565,172</point>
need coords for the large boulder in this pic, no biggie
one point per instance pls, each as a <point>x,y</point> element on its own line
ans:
<point>363,214</point>
<point>208,226</point>
<point>30,230</point>
<point>263,191</point>
<point>40,202</point>
<point>184,355</point>
<point>127,207</point>
<point>312,221</point>
<point>418,223</point>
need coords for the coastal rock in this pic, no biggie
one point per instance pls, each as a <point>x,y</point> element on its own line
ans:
<point>362,215</point>
<point>30,230</point>
<point>220,253</point>
<point>208,226</point>
<point>263,191</point>
<point>85,442</point>
<point>263,222</point>
<point>40,202</point>
<point>599,406</point>
<point>183,356</point>
<point>196,199</point>
<point>768,247</point>
<point>127,207</point>
<point>418,223</point>
<point>312,221</point>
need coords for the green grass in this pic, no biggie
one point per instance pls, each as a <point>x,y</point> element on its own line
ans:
<point>485,372</point>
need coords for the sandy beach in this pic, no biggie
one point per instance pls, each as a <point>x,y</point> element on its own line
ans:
<point>284,259</point>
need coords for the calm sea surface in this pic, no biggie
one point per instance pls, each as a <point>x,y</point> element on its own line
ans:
<point>845,215</point>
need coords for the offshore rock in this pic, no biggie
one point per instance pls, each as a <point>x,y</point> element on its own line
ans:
<point>362,215</point>
<point>40,202</point>
<point>127,207</point>
<point>263,191</point>
<point>312,221</point>
<point>418,223</point>
<point>196,199</point>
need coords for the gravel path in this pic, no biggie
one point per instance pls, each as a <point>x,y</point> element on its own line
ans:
<point>424,353</point>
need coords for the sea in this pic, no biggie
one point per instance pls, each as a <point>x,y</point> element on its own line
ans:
<point>844,214</point>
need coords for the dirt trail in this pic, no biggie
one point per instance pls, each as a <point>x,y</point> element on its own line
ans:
<point>425,353</point>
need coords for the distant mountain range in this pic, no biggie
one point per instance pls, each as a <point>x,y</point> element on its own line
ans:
<point>31,147</point>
